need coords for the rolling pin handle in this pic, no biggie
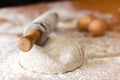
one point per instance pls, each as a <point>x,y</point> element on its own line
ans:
<point>26,42</point>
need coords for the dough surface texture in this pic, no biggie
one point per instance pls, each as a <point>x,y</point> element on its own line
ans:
<point>58,55</point>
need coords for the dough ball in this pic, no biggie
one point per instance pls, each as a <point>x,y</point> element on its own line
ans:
<point>58,55</point>
<point>97,27</point>
<point>83,22</point>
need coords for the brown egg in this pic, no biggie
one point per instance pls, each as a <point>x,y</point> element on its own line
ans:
<point>97,27</point>
<point>82,23</point>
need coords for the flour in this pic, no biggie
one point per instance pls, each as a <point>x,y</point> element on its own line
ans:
<point>96,67</point>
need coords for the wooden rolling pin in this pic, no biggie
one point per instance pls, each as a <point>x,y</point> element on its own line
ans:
<point>38,31</point>
<point>26,43</point>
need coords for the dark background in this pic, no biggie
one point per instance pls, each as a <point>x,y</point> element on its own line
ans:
<point>4,3</point>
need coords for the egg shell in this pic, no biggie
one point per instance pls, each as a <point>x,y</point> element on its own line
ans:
<point>83,22</point>
<point>97,27</point>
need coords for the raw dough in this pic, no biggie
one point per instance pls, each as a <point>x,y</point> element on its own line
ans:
<point>58,55</point>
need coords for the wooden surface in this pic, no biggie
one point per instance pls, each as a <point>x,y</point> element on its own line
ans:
<point>30,12</point>
<point>102,6</point>
<point>102,53</point>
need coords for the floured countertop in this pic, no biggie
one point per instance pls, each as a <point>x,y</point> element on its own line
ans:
<point>102,54</point>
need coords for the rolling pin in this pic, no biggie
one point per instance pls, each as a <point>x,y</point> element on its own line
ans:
<point>37,31</point>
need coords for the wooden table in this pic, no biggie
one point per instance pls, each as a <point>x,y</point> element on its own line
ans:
<point>102,52</point>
